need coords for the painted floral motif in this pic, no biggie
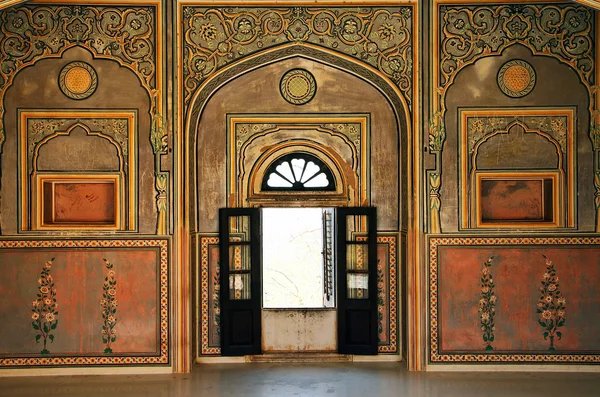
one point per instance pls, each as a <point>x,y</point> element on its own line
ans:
<point>487,304</point>
<point>215,37</point>
<point>109,308</point>
<point>217,299</point>
<point>551,306</point>
<point>44,311</point>
<point>380,298</point>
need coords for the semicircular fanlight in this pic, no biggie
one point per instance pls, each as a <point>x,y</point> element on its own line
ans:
<point>298,172</point>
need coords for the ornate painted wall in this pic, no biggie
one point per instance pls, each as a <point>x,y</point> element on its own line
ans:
<point>513,183</point>
<point>241,113</point>
<point>459,120</point>
<point>83,183</point>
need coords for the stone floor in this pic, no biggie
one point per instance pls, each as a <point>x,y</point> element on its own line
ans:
<point>314,380</point>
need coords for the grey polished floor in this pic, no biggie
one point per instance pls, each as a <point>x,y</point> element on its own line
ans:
<point>315,380</point>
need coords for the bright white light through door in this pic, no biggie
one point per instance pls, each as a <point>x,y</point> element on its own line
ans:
<point>293,265</point>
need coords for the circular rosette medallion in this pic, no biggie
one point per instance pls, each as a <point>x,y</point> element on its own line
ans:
<point>78,80</point>
<point>298,86</point>
<point>516,78</point>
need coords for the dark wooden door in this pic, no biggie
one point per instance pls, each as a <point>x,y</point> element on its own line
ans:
<point>240,260</point>
<point>356,248</point>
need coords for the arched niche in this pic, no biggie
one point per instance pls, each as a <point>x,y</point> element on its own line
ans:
<point>251,87</point>
<point>86,152</point>
<point>512,149</point>
<point>518,180</point>
<point>558,89</point>
<point>36,89</point>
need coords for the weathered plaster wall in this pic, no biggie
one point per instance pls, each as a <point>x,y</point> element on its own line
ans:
<point>257,93</point>
<point>299,330</point>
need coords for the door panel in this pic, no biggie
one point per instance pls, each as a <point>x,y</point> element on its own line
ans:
<point>239,236</point>
<point>356,246</point>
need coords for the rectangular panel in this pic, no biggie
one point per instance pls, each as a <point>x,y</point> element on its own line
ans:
<point>513,199</point>
<point>39,126</point>
<point>505,200</point>
<point>84,302</point>
<point>209,313</point>
<point>241,327</point>
<point>356,227</point>
<point>515,299</point>
<point>239,228</point>
<point>82,202</point>
<point>357,333</point>
<point>488,130</point>
<point>68,201</point>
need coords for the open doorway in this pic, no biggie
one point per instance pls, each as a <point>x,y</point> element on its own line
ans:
<point>248,328</point>
<point>298,280</point>
<point>297,271</point>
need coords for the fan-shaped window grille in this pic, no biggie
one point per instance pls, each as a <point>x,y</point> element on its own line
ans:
<point>298,172</point>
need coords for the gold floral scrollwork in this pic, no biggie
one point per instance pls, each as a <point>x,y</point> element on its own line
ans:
<point>380,37</point>
<point>161,183</point>
<point>123,34</point>
<point>434,203</point>
<point>594,133</point>
<point>437,133</point>
<point>158,134</point>
<point>561,31</point>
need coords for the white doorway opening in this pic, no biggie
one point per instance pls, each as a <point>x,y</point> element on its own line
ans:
<point>298,280</point>
<point>298,271</point>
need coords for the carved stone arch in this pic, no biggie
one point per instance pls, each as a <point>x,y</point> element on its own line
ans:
<point>314,53</point>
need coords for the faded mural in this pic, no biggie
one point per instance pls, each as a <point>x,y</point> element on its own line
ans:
<point>531,301</point>
<point>88,302</point>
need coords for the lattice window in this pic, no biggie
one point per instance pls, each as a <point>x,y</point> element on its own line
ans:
<point>298,172</point>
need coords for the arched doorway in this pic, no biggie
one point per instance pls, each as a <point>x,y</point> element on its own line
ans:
<point>240,119</point>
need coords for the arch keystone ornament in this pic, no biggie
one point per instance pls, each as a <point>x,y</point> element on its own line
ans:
<point>78,80</point>
<point>516,78</point>
<point>298,86</point>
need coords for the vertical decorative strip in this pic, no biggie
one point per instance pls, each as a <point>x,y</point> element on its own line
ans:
<point>162,179</point>
<point>380,298</point>
<point>434,203</point>
<point>45,308</point>
<point>109,308</point>
<point>217,299</point>
<point>487,304</point>
<point>597,197</point>
<point>159,142</point>
<point>551,306</point>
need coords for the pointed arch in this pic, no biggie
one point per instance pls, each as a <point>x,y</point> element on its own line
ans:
<point>366,73</point>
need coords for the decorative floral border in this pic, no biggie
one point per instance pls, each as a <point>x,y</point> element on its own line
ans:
<point>162,358</point>
<point>205,349</point>
<point>205,240</point>
<point>392,241</point>
<point>434,349</point>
